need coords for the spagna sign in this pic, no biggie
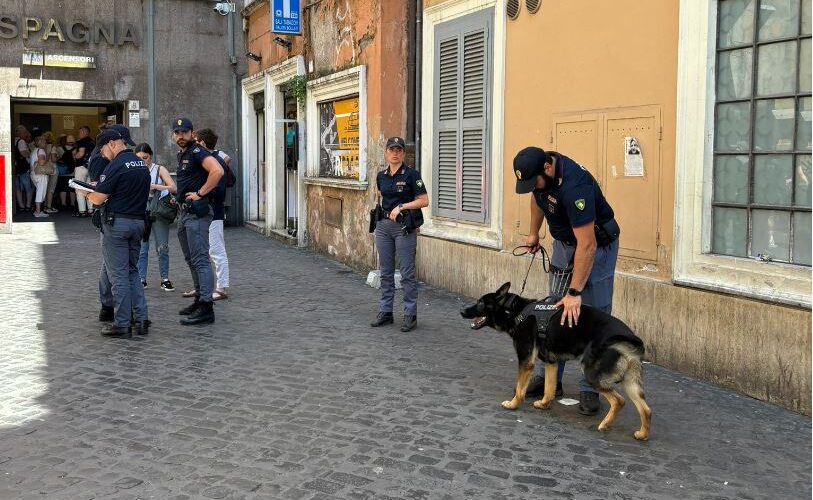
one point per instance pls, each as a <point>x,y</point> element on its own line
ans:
<point>33,28</point>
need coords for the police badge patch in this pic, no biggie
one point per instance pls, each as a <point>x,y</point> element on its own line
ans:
<point>580,203</point>
<point>419,183</point>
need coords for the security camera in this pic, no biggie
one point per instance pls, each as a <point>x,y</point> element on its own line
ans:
<point>223,8</point>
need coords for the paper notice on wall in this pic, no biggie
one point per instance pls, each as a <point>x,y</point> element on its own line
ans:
<point>135,119</point>
<point>67,122</point>
<point>633,158</point>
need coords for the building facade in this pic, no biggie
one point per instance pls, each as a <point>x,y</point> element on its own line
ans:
<point>69,63</point>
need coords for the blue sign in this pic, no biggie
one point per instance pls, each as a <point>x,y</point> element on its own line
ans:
<point>285,17</point>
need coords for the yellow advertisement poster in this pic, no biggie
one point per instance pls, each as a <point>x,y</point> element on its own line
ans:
<point>339,138</point>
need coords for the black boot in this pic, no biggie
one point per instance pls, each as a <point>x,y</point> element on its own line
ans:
<point>205,313</point>
<point>142,327</point>
<point>106,313</point>
<point>383,318</point>
<point>122,332</point>
<point>191,308</point>
<point>588,403</point>
<point>410,322</point>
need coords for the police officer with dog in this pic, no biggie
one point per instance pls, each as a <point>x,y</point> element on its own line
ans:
<point>585,246</point>
<point>121,194</point>
<point>402,196</point>
<point>198,175</point>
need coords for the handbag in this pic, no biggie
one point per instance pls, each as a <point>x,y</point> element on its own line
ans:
<point>47,169</point>
<point>164,207</point>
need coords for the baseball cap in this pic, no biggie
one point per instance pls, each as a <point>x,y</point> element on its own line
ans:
<point>529,163</point>
<point>182,124</point>
<point>396,142</point>
<point>107,135</point>
<point>124,132</point>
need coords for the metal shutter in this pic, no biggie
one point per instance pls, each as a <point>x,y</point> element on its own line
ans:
<point>462,73</point>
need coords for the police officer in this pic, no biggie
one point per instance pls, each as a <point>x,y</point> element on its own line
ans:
<point>122,189</point>
<point>402,196</point>
<point>198,175</point>
<point>96,164</point>
<point>585,246</point>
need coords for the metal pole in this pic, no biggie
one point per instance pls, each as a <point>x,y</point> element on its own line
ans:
<point>151,74</point>
<point>418,79</point>
<point>237,209</point>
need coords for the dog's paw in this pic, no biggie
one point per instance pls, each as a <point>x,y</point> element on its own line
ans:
<point>603,427</point>
<point>510,405</point>
<point>641,436</point>
<point>541,404</point>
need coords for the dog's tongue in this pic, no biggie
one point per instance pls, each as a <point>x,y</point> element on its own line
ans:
<point>478,323</point>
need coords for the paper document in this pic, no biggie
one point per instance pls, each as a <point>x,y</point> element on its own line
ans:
<point>81,186</point>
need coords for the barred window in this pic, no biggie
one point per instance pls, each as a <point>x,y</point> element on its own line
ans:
<point>762,132</point>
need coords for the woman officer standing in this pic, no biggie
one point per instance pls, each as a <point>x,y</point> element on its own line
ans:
<point>402,197</point>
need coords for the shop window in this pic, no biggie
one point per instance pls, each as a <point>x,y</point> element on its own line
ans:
<point>339,138</point>
<point>461,127</point>
<point>761,196</point>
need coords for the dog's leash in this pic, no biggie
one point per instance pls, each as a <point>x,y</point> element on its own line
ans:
<point>527,250</point>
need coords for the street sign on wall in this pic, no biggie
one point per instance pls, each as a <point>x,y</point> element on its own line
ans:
<point>285,17</point>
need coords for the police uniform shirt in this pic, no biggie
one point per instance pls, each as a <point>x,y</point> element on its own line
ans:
<point>576,201</point>
<point>127,181</point>
<point>403,187</point>
<point>96,165</point>
<point>191,175</point>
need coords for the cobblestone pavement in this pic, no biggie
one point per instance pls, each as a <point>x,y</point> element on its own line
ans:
<point>291,395</point>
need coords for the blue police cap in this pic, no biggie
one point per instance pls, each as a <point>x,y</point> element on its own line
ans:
<point>182,124</point>
<point>107,135</point>
<point>396,142</point>
<point>125,133</point>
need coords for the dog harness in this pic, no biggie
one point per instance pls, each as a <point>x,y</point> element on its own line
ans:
<point>543,310</point>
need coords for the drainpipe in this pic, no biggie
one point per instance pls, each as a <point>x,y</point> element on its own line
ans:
<point>418,80</point>
<point>410,91</point>
<point>237,199</point>
<point>151,74</point>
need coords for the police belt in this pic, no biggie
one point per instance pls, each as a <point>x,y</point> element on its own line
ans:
<point>119,215</point>
<point>606,233</point>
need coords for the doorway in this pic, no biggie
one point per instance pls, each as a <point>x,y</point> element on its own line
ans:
<point>290,163</point>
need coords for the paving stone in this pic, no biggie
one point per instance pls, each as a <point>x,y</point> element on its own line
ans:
<point>291,395</point>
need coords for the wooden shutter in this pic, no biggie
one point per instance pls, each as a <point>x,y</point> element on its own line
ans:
<point>462,73</point>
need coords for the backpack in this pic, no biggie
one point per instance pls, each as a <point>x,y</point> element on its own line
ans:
<point>21,164</point>
<point>228,173</point>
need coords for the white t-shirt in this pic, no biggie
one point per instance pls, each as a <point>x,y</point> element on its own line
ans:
<point>156,179</point>
<point>34,155</point>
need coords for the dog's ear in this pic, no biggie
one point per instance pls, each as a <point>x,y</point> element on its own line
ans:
<point>503,290</point>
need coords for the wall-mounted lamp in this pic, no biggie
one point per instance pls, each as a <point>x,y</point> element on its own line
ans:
<point>282,42</point>
<point>253,56</point>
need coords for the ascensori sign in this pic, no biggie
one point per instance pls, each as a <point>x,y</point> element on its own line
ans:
<point>35,28</point>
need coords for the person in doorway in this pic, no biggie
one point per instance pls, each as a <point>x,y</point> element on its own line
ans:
<point>22,185</point>
<point>123,189</point>
<point>65,167</point>
<point>585,246</point>
<point>402,196</point>
<point>41,169</point>
<point>81,155</point>
<point>198,175</point>
<point>161,186</point>
<point>207,139</point>
<point>54,151</point>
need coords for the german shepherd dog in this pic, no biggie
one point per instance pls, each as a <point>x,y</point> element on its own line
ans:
<point>610,352</point>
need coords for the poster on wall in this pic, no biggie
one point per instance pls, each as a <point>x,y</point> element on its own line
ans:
<point>67,122</point>
<point>633,158</point>
<point>339,138</point>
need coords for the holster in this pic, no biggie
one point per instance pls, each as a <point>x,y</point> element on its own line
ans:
<point>376,214</point>
<point>607,232</point>
<point>410,220</point>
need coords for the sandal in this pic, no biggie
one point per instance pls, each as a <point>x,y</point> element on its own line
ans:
<point>218,295</point>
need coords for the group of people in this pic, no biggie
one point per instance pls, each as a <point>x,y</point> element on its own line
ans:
<point>43,167</point>
<point>581,221</point>
<point>137,200</point>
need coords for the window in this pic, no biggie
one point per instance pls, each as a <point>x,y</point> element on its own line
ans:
<point>461,128</point>
<point>339,138</point>
<point>761,199</point>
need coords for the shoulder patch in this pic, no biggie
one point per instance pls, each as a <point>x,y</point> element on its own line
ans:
<point>196,150</point>
<point>580,203</point>
<point>419,183</point>
<point>102,177</point>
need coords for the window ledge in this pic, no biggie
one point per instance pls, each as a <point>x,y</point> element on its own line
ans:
<point>478,235</point>
<point>336,183</point>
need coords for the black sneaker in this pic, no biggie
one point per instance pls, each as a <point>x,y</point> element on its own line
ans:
<point>166,286</point>
<point>588,403</point>
<point>122,332</point>
<point>191,308</point>
<point>383,318</point>
<point>410,322</point>
<point>142,327</point>
<point>144,283</point>
<point>536,387</point>
<point>205,313</point>
<point>106,314</point>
